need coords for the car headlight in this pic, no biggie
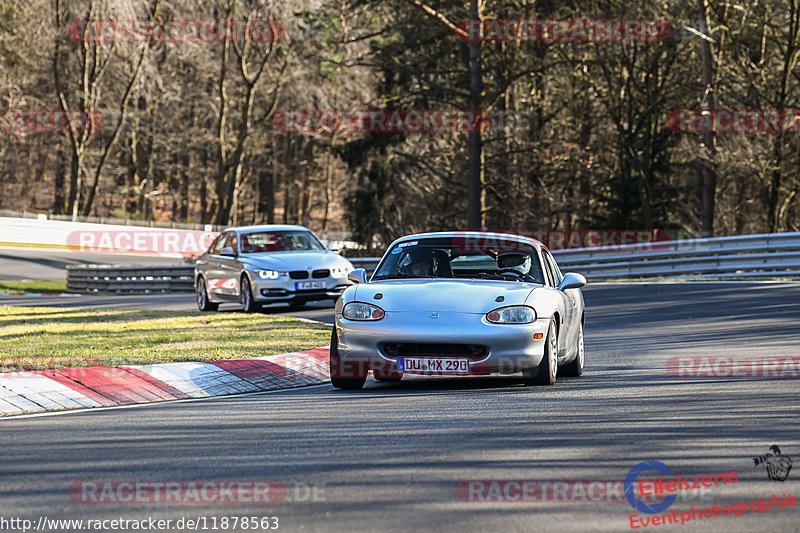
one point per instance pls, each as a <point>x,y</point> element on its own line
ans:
<point>515,314</point>
<point>362,311</point>
<point>268,274</point>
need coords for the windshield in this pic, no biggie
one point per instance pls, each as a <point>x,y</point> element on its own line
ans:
<point>449,257</point>
<point>278,241</point>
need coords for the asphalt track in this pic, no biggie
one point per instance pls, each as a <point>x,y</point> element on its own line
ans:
<point>389,458</point>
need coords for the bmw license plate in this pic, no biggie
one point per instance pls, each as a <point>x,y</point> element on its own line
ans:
<point>300,285</point>
<point>433,365</point>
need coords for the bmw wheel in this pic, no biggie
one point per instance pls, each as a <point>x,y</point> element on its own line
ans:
<point>248,304</point>
<point>203,303</point>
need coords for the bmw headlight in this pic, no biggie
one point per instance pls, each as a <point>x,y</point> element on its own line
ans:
<point>268,274</point>
<point>362,311</point>
<point>515,314</point>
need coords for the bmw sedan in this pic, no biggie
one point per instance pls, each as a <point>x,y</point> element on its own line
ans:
<point>257,265</point>
<point>461,304</point>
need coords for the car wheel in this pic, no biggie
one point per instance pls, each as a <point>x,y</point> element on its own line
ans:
<point>545,372</point>
<point>575,368</point>
<point>203,302</point>
<point>351,378</point>
<point>248,304</point>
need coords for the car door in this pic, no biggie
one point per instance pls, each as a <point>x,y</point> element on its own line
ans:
<point>213,268</point>
<point>230,268</point>
<point>207,265</point>
<point>564,302</point>
<point>571,301</point>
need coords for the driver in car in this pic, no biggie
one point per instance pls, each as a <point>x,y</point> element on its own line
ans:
<point>517,264</point>
<point>421,263</point>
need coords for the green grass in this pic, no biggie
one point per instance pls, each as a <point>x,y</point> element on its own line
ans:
<point>38,338</point>
<point>59,285</point>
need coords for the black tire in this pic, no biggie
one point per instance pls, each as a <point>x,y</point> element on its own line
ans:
<point>545,372</point>
<point>249,305</point>
<point>203,303</point>
<point>575,367</point>
<point>338,378</point>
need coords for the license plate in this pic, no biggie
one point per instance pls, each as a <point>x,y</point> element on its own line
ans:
<point>433,365</point>
<point>300,285</point>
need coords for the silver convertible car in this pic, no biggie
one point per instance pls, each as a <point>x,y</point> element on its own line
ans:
<point>462,304</point>
<point>256,265</point>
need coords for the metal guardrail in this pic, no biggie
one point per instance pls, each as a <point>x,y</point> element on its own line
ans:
<point>90,279</point>
<point>769,256</point>
<point>775,255</point>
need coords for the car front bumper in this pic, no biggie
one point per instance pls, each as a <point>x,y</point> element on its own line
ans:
<point>509,348</point>
<point>286,290</point>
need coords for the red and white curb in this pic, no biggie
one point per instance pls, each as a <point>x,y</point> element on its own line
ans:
<point>106,386</point>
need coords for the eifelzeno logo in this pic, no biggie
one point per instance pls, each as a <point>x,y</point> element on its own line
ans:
<point>630,483</point>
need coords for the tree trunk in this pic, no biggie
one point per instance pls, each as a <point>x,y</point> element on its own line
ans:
<point>269,179</point>
<point>183,177</point>
<point>75,185</point>
<point>707,178</point>
<point>59,181</point>
<point>475,177</point>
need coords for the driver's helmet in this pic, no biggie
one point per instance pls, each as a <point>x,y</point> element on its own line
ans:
<point>515,261</point>
<point>419,258</point>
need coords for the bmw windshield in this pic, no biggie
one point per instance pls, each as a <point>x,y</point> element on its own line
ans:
<point>278,241</point>
<point>460,257</point>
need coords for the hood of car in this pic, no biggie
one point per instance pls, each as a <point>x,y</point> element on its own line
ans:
<point>438,295</point>
<point>286,261</point>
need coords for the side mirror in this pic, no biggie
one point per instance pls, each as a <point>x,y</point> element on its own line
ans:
<point>358,275</point>
<point>572,281</point>
<point>227,250</point>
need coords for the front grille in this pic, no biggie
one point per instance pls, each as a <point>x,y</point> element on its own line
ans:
<point>408,349</point>
<point>298,274</point>
<point>321,273</point>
